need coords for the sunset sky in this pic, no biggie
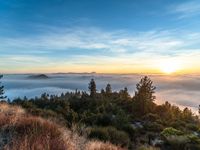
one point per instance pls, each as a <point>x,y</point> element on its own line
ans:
<point>104,36</point>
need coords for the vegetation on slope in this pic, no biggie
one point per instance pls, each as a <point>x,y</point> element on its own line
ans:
<point>21,131</point>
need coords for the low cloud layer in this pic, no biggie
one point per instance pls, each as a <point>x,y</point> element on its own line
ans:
<point>180,90</point>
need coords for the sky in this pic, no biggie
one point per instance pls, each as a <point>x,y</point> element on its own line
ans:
<point>104,36</point>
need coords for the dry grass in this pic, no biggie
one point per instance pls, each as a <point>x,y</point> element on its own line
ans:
<point>96,145</point>
<point>148,148</point>
<point>20,131</point>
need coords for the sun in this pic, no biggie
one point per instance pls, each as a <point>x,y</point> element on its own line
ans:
<point>169,67</point>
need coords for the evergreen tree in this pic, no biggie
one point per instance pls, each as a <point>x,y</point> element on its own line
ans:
<point>108,89</point>
<point>102,91</point>
<point>187,114</point>
<point>124,95</point>
<point>199,110</point>
<point>92,88</point>
<point>2,97</point>
<point>144,96</point>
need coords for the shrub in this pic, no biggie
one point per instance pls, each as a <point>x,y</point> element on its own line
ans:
<point>151,117</point>
<point>95,145</point>
<point>147,148</point>
<point>21,131</point>
<point>104,120</point>
<point>99,133</point>
<point>171,132</point>
<point>130,130</point>
<point>110,134</point>
<point>192,127</point>
<point>194,139</point>
<point>178,124</point>
<point>177,142</point>
<point>153,126</point>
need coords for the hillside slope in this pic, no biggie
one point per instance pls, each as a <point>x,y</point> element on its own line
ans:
<point>21,131</point>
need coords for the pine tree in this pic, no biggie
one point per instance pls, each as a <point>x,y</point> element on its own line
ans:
<point>199,109</point>
<point>144,96</point>
<point>187,114</point>
<point>92,88</point>
<point>102,91</point>
<point>108,89</point>
<point>2,97</point>
<point>124,94</point>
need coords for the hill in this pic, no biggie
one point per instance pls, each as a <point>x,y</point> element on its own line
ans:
<point>39,76</point>
<point>22,131</point>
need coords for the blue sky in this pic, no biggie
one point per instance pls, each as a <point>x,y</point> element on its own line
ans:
<point>111,36</point>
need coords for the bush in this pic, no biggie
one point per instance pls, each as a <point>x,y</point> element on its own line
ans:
<point>99,133</point>
<point>21,131</point>
<point>151,117</point>
<point>192,127</point>
<point>95,145</point>
<point>193,146</point>
<point>147,148</point>
<point>129,130</point>
<point>178,124</point>
<point>177,142</point>
<point>104,120</point>
<point>171,132</point>
<point>153,126</point>
<point>110,134</point>
<point>194,139</point>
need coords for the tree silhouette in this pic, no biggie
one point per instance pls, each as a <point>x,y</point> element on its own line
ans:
<point>144,95</point>
<point>92,88</point>
<point>199,110</point>
<point>108,89</point>
<point>124,94</point>
<point>2,97</point>
<point>187,114</point>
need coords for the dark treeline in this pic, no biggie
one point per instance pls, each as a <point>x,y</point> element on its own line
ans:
<point>2,97</point>
<point>115,116</point>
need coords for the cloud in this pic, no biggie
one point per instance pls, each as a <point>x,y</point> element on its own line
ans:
<point>31,93</point>
<point>95,39</point>
<point>78,47</point>
<point>180,97</point>
<point>180,90</point>
<point>187,9</point>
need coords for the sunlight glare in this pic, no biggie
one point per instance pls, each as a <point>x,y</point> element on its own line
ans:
<point>169,67</point>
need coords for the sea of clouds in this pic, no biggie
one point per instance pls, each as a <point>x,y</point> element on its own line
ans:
<point>182,90</point>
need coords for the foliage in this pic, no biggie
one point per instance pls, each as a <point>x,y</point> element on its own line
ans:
<point>110,134</point>
<point>194,139</point>
<point>2,97</point>
<point>151,117</point>
<point>144,96</point>
<point>92,88</point>
<point>21,131</point>
<point>192,127</point>
<point>171,132</point>
<point>154,127</point>
<point>177,142</point>
<point>147,148</point>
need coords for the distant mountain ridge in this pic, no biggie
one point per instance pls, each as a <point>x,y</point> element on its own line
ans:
<point>38,76</point>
